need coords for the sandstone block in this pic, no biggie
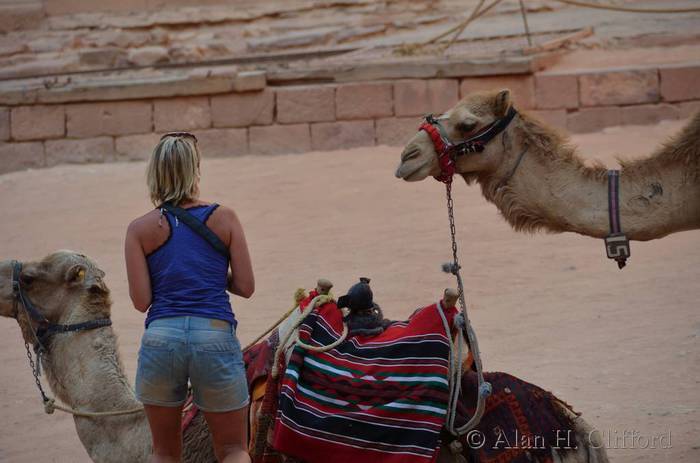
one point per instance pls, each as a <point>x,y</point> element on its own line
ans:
<point>305,104</point>
<point>342,134</point>
<point>21,16</point>
<point>80,151</point>
<point>280,139</point>
<point>21,156</point>
<point>4,124</point>
<point>38,122</point>
<point>556,91</point>
<point>593,119</point>
<point>648,113</point>
<point>619,87</point>
<point>420,97</point>
<point>148,56</point>
<point>243,109</point>
<point>88,120</point>
<point>136,147</point>
<point>679,83</point>
<point>249,81</point>
<point>105,57</point>
<point>187,113</point>
<point>443,94</point>
<point>396,131</point>
<point>688,109</point>
<point>553,117</point>
<point>522,87</point>
<point>364,100</point>
<point>219,143</point>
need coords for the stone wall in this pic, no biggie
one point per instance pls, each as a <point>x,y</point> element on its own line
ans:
<point>295,119</point>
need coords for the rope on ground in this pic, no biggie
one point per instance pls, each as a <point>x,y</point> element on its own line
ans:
<point>478,12</point>
<point>606,6</point>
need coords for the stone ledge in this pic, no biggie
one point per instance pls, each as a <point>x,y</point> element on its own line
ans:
<point>128,86</point>
<point>299,118</point>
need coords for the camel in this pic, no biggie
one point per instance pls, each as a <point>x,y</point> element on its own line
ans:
<point>84,371</point>
<point>538,182</point>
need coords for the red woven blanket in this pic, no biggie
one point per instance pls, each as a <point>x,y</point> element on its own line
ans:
<point>380,398</point>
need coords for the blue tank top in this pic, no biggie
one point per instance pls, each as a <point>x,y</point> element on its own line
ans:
<point>188,277</point>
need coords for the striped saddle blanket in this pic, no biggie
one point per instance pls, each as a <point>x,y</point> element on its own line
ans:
<point>381,398</point>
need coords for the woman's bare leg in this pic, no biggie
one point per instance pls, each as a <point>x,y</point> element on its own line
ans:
<point>230,434</point>
<point>165,423</point>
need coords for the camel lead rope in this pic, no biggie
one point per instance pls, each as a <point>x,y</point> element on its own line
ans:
<point>50,404</point>
<point>484,387</point>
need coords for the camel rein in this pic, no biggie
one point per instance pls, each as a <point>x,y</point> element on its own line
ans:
<point>447,159</point>
<point>41,337</point>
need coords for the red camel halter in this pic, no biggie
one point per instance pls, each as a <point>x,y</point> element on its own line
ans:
<point>448,151</point>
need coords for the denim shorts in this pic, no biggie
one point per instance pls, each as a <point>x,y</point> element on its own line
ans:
<point>204,351</point>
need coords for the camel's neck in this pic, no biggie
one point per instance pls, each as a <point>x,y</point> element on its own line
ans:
<point>85,372</point>
<point>553,190</point>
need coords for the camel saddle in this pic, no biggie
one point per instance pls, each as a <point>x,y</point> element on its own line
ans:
<point>516,407</point>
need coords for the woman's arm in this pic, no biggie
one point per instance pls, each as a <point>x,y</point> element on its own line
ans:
<point>241,281</point>
<point>137,270</point>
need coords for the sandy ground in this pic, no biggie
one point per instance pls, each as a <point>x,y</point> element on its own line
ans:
<point>622,346</point>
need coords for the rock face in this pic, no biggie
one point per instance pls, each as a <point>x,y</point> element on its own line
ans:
<point>286,77</point>
<point>148,56</point>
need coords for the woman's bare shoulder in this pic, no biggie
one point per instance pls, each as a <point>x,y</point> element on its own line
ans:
<point>144,222</point>
<point>225,212</point>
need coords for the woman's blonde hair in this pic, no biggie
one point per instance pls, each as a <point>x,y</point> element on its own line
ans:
<point>173,171</point>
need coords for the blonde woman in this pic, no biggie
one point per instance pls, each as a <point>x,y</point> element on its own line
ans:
<point>180,277</point>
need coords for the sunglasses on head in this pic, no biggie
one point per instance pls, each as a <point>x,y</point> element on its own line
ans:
<point>179,134</point>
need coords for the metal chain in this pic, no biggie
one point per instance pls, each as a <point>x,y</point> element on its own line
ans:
<point>484,387</point>
<point>453,235</point>
<point>35,372</point>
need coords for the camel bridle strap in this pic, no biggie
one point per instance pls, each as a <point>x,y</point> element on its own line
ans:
<point>448,151</point>
<point>45,329</point>
<point>41,336</point>
<point>617,246</point>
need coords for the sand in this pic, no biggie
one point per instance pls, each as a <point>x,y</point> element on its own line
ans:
<point>622,346</point>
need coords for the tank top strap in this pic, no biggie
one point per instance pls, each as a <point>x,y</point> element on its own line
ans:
<point>208,211</point>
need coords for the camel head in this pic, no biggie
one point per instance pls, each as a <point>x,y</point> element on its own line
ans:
<point>474,112</point>
<point>65,286</point>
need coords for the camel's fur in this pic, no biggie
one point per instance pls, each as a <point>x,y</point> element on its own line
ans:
<point>552,188</point>
<point>85,372</point>
<point>83,369</point>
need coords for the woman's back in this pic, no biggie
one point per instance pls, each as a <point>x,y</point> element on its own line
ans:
<point>188,276</point>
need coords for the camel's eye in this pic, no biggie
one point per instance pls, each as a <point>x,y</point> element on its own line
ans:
<point>27,278</point>
<point>466,126</point>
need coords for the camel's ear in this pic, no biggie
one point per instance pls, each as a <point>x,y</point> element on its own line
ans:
<point>76,274</point>
<point>502,103</point>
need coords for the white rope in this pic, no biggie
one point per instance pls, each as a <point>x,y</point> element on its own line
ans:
<point>330,346</point>
<point>50,406</point>
<point>455,376</point>
<point>318,300</point>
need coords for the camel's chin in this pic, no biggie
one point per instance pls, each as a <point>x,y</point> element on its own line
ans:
<point>413,174</point>
<point>415,177</point>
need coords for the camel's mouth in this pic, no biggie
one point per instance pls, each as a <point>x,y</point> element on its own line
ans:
<point>413,172</point>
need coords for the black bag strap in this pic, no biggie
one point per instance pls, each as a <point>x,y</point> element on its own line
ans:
<point>199,228</point>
